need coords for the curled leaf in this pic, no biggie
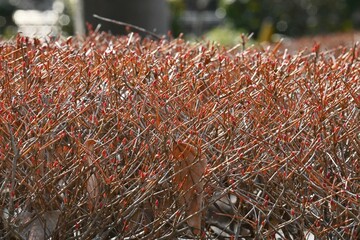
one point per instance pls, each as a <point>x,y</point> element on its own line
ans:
<point>189,169</point>
<point>92,185</point>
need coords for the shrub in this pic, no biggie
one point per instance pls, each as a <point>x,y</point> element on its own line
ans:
<point>118,136</point>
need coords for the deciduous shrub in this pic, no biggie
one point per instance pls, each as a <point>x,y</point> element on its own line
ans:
<point>122,137</point>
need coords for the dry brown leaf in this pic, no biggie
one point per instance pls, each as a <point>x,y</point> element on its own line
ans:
<point>41,227</point>
<point>158,119</point>
<point>92,185</point>
<point>189,169</point>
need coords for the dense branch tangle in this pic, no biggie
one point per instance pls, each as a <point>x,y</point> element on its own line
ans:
<point>118,136</point>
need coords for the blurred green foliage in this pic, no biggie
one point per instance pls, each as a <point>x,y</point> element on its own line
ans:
<point>288,17</point>
<point>7,24</point>
<point>228,36</point>
<point>176,7</point>
<point>293,17</point>
<point>224,35</point>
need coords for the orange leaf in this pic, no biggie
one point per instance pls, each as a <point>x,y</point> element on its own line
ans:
<point>189,169</point>
<point>92,185</point>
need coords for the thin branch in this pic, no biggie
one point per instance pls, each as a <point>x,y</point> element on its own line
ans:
<point>13,170</point>
<point>140,29</point>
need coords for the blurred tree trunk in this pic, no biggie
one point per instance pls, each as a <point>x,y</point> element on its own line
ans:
<point>153,15</point>
<point>77,10</point>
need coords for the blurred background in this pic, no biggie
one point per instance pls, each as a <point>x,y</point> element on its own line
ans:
<point>219,20</point>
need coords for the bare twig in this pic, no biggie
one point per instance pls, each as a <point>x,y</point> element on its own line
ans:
<point>140,29</point>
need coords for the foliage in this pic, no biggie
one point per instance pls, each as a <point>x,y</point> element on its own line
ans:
<point>293,18</point>
<point>122,137</point>
<point>176,7</point>
<point>225,36</point>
